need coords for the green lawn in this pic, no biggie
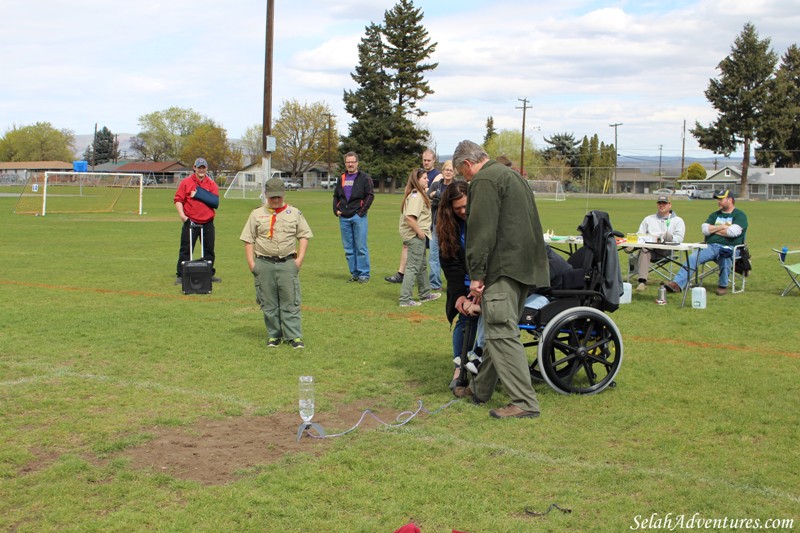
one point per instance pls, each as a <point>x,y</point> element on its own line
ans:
<point>99,351</point>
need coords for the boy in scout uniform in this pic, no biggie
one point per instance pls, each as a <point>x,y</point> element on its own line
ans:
<point>275,241</point>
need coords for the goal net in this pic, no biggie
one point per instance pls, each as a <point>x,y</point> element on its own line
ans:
<point>248,185</point>
<point>547,190</point>
<point>81,192</point>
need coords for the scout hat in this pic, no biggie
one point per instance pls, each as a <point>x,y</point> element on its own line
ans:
<point>274,187</point>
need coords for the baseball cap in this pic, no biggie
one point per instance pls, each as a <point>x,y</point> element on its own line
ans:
<point>663,198</point>
<point>274,187</point>
<point>725,193</point>
<point>200,162</point>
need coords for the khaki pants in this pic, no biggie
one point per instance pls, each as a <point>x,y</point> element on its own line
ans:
<point>504,356</point>
<point>278,294</point>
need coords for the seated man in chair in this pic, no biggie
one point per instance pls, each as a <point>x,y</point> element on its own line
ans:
<point>664,225</point>
<point>723,229</point>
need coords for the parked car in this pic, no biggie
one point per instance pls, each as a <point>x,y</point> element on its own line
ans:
<point>291,185</point>
<point>664,192</point>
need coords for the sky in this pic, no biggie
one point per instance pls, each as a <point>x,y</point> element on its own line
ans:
<point>582,65</point>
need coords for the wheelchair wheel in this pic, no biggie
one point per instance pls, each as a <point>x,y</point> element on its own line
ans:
<point>580,351</point>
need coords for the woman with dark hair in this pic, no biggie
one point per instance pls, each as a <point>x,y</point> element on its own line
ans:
<point>451,226</point>
<point>415,227</point>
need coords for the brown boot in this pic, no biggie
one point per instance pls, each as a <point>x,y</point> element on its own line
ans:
<point>722,291</point>
<point>512,411</point>
<point>466,392</point>
<point>672,287</point>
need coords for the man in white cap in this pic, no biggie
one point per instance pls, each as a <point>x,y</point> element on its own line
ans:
<point>196,200</point>
<point>275,241</point>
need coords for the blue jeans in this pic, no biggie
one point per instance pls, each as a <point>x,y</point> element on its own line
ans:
<point>434,267</point>
<point>354,241</point>
<point>704,256</point>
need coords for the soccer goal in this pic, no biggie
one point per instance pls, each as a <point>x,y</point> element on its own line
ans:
<point>246,185</point>
<point>81,192</point>
<point>547,190</point>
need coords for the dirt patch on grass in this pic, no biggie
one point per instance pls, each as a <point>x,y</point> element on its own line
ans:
<point>216,452</point>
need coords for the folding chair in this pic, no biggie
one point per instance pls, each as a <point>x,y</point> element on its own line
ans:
<point>737,281</point>
<point>792,270</point>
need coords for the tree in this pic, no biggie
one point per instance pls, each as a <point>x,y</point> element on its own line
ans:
<point>696,171</point>
<point>210,141</point>
<point>596,162</point>
<point>490,131</point>
<point>163,133</point>
<point>390,84</point>
<point>301,134</point>
<point>740,95</point>
<point>38,142</point>
<point>253,146</point>
<point>508,143</point>
<point>779,135</point>
<point>563,147</point>
<point>105,148</point>
<point>408,46</point>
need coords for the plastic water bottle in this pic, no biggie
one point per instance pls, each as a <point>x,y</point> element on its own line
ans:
<point>306,390</point>
<point>662,295</point>
<point>783,253</point>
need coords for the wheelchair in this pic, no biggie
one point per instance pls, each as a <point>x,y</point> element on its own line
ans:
<point>573,344</point>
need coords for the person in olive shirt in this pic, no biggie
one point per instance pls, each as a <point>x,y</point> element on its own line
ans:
<point>505,257</point>
<point>275,242</point>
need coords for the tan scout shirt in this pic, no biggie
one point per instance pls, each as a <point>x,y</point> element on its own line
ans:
<point>290,225</point>
<point>415,206</point>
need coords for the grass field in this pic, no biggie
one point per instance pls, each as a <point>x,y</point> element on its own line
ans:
<point>101,357</point>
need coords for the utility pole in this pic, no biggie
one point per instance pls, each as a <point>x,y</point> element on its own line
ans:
<point>266,126</point>
<point>330,127</point>
<point>683,147</point>
<point>660,146</point>
<point>616,155</point>
<point>94,146</point>
<point>524,108</point>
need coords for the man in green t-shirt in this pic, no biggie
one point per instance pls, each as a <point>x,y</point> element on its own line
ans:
<point>723,229</point>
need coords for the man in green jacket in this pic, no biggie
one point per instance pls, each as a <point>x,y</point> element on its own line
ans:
<point>505,257</point>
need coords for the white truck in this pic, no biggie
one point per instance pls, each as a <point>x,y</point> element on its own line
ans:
<point>328,183</point>
<point>690,191</point>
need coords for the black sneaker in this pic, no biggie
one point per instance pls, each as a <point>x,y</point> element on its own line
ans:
<point>272,342</point>
<point>397,277</point>
<point>297,343</point>
<point>178,281</point>
<point>215,279</point>
<point>353,279</point>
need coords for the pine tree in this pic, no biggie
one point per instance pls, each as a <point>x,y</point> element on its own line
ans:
<point>408,46</point>
<point>740,95</point>
<point>490,131</point>
<point>370,105</point>
<point>390,75</point>
<point>565,147</point>
<point>105,148</point>
<point>779,135</point>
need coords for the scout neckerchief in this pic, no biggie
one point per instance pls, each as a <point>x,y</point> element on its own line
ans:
<point>274,214</point>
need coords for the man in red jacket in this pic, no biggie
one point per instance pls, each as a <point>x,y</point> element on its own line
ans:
<point>196,199</point>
